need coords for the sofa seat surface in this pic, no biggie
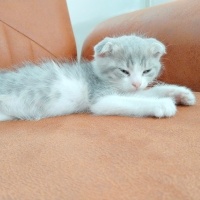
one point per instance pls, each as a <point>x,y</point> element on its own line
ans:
<point>82,156</point>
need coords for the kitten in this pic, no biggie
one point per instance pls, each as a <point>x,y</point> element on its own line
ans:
<point>112,84</point>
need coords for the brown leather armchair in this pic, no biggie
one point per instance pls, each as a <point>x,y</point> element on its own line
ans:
<point>94,158</point>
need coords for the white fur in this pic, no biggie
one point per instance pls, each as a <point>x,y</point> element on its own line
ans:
<point>74,97</point>
<point>180,94</point>
<point>158,101</point>
<point>134,106</point>
<point>5,117</point>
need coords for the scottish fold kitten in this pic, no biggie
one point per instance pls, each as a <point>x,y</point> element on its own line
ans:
<point>112,84</point>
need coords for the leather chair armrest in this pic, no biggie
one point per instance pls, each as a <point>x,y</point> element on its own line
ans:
<point>176,24</point>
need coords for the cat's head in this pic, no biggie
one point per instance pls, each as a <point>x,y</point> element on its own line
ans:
<point>131,62</point>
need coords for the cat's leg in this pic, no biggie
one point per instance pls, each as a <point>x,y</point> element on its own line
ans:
<point>134,106</point>
<point>181,95</point>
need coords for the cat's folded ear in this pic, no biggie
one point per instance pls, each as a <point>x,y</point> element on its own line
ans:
<point>157,48</point>
<point>106,48</point>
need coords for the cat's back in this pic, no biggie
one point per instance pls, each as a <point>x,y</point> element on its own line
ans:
<point>36,76</point>
<point>30,73</point>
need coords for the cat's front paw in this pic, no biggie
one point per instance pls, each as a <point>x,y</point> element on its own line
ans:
<point>165,108</point>
<point>183,96</point>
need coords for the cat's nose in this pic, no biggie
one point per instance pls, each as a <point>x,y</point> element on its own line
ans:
<point>136,84</point>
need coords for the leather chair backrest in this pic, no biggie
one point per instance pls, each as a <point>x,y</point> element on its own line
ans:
<point>35,30</point>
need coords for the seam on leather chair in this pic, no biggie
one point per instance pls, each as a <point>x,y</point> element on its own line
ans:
<point>31,50</point>
<point>7,40</point>
<point>8,44</point>
<point>26,37</point>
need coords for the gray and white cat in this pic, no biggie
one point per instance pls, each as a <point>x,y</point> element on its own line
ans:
<point>112,84</point>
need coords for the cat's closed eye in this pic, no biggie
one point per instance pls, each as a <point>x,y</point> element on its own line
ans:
<point>146,71</point>
<point>125,72</point>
